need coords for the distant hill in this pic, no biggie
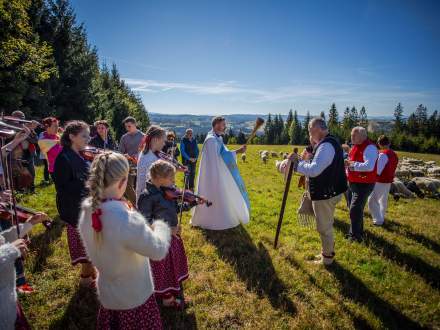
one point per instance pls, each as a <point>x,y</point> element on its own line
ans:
<point>202,123</point>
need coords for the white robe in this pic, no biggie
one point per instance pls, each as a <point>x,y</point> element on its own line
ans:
<point>215,183</point>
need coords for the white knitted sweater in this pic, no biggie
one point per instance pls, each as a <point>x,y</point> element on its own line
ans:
<point>8,296</point>
<point>122,253</point>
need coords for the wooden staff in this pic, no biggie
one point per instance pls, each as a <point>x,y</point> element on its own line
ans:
<point>293,165</point>
<point>258,123</point>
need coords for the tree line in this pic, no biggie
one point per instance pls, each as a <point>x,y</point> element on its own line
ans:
<point>48,68</point>
<point>419,132</point>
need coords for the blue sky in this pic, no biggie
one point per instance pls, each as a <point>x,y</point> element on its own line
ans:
<point>224,57</point>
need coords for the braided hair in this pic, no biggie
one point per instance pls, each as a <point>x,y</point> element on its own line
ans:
<point>106,169</point>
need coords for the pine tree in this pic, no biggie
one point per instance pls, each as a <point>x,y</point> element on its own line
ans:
<point>398,118</point>
<point>241,138</point>
<point>295,130</point>
<point>333,118</point>
<point>322,115</point>
<point>354,117</point>
<point>363,118</point>
<point>268,130</point>
<point>347,120</point>
<point>305,131</point>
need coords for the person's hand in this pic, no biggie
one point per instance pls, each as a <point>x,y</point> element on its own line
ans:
<point>348,163</point>
<point>293,157</point>
<point>21,245</point>
<point>37,218</point>
<point>22,135</point>
<point>305,155</point>
<point>182,169</point>
<point>193,160</point>
<point>241,150</point>
<point>5,195</point>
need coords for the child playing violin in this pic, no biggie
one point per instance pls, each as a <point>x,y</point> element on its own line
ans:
<point>170,272</point>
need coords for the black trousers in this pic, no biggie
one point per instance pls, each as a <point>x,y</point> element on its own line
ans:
<point>46,170</point>
<point>357,198</point>
<point>191,174</point>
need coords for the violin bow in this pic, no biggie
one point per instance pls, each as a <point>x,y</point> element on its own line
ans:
<point>183,198</point>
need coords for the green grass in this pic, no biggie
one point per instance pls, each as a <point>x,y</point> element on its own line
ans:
<point>238,281</point>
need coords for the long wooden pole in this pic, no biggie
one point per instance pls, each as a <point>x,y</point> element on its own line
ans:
<point>283,204</point>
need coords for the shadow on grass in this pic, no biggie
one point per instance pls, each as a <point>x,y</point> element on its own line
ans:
<point>42,244</point>
<point>406,230</point>
<point>252,264</point>
<point>80,312</point>
<point>178,320</point>
<point>391,251</point>
<point>353,288</point>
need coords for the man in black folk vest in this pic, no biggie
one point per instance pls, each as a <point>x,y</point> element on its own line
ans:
<point>327,182</point>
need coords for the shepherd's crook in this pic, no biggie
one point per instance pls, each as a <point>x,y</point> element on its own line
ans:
<point>293,165</point>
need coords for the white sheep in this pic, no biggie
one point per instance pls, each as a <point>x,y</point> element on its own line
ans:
<point>264,158</point>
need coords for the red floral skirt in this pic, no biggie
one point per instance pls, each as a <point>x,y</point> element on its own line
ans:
<point>76,247</point>
<point>169,272</point>
<point>145,316</point>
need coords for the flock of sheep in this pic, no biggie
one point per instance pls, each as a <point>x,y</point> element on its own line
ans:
<point>415,177</point>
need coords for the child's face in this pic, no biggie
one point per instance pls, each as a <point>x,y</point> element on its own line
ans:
<point>164,181</point>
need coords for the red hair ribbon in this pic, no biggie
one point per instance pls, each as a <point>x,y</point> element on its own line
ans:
<point>96,220</point>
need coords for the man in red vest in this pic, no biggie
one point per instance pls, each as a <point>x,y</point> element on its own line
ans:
<point>386,167</point>
<point>361,173</point>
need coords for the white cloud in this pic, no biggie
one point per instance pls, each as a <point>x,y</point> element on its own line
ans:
<point>313,92</point>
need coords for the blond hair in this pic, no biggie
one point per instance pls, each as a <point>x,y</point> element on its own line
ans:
<point>107,168</point>
<point>161,169</point>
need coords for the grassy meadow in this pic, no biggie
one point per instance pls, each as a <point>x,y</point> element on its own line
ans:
<point>238,281</point>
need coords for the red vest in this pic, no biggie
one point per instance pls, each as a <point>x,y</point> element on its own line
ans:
<point>357,154</point>
<point>387,174</point>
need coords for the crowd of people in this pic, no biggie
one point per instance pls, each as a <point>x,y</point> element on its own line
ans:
<point>123,226</point>
<point>362,173</point>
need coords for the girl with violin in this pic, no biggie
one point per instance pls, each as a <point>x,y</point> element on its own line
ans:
<point>70,175</point>
<point>153,142</point>
<point>120,245</point>
<point>49,142</point>
<point>154,203</point>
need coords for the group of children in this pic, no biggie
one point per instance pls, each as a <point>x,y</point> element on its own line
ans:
<point>133,255</point>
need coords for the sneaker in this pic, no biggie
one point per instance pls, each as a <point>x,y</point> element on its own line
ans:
<point>25,289</point>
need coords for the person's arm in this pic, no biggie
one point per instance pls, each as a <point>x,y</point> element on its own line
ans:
<point>145,207</point>
<point>63,177</point>
<point>323,158</point>
<point>152,242</point>
<point>183,151</point>
<point>176,151</point>
<point>381,163</point>
<point>370,157</point>
<point>10,234</point>
<point>141,174</point>
<point>122,148</point>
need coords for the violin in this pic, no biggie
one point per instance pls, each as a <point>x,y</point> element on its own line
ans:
<point>89,153</point>
<point>23,213</point>
<point>164,156</point>
<point>175,194</point>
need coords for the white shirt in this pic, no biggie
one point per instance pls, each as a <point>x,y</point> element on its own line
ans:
<point>143,170</point>
<point>382,161</point>
<point>122,254</point>
<point>370,157</point>
<point>323,158</point>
